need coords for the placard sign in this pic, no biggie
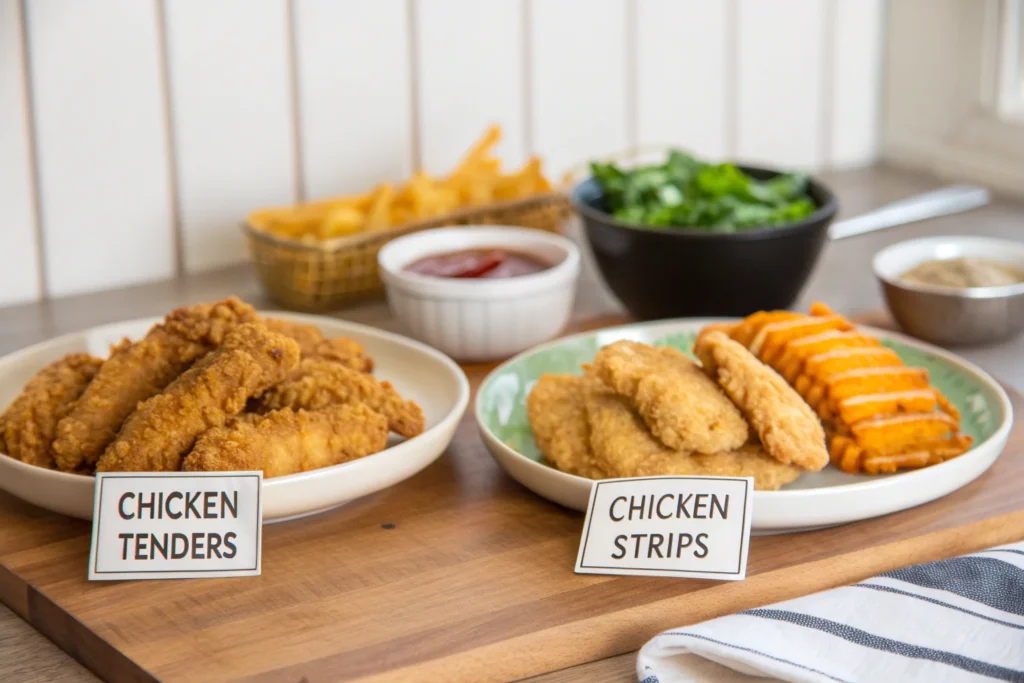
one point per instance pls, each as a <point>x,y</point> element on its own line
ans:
<point>176,525</point>
<point>692,527</point>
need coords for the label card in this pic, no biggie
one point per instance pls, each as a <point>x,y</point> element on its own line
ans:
<point>689,527</point>
<point>176,525</point>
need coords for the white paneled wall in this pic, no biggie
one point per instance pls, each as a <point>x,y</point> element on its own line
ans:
<point>135,134</point>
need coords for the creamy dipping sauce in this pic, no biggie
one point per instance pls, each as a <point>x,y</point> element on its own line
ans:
<point>964,273</point>
<point>478,263</point>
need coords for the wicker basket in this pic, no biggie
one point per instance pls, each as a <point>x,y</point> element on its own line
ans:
<point>331,274</point>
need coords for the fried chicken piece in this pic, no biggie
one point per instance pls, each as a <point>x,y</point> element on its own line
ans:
<point>288,442</point>
<point>30,424</point>
<point>320,383</point>
<point>624,448</point>
<point>558,418</point>
<point>164,428</point>
<point>680,404</point>
<point>136,371</point>
<point>348,352</point>
<point>312,343</point>
<point>784,423</point>
<point>307,336</point>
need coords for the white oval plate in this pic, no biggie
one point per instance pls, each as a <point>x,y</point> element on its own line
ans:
<point>417,371</point>
<point>816,499</point>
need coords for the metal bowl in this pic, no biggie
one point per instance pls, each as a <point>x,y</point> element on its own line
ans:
<point>952,316</point>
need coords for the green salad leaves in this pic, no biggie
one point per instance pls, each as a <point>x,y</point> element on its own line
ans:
<point>688,192</point>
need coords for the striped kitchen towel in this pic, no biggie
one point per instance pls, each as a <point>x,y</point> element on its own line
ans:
<point>956,620</point>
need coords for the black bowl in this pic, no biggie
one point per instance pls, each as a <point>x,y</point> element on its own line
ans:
<point>680,272</point>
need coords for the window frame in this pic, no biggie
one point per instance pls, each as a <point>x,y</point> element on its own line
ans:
<point>945,109</point>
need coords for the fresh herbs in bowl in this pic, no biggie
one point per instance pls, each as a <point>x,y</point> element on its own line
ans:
<point>687,192</point>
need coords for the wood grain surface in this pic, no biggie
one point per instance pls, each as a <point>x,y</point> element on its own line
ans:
<point>458,574</point>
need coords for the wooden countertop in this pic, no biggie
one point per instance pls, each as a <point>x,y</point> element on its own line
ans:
<point>843,279</point>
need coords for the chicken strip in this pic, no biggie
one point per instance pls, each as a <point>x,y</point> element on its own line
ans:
<point>558,417</point>
<point>785,424</point>
<point>288,442</point>
<point>164,428</point>
<point>319,383</point>
<point>348,352</point>
<point>30,424</point>
<point>624,448</point>
<point>135,371</point>
<point>681,405</point>
<point>307,336</point>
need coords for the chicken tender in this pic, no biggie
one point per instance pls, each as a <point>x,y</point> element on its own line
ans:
<point>30,424</point>
<point>348,352</point>
<point>558,418</point>
<point>288,442</point>
<point>624,448</point>
<point>305,335</point>
<point>312,343</point>
<point>136,371</point>
<point>320,383</point>
<point>785,424</point>
<point>681,405</point>
<point>164,428</point>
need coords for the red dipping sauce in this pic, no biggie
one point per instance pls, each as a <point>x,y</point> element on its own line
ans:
<point>478,263</point>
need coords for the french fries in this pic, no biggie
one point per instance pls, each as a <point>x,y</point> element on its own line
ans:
<point>477,181</point>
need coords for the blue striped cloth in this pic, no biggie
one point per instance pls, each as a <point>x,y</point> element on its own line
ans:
<point>958,620</point>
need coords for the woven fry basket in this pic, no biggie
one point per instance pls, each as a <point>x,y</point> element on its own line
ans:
<point>329,275</point>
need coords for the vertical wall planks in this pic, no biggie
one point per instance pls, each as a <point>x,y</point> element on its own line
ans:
<point>353,73</point>
<point>19,276</point>
<point>101,143</point>
<point>781,49</point>
<point>683,81</point>
<point>230,87</point>
<point>579,70</point>
<point>469,75</point>
<point>857,81</point>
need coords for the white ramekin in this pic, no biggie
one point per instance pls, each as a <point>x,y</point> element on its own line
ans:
<point>479,320</point>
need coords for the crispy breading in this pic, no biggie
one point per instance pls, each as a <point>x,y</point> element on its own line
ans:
<point>164,428</point>
<point>680,404</point>
<point>785,424</point>
<point>30,424</point>
<point>624,448</point>
<point>136,371</point>
<point>319,383</point>
<point>348,352</point>
<point>305,335</point>
<point>558,418</point>
<point>285,442</point>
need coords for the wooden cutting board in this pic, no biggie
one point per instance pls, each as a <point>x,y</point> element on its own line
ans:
<point>458,574</point>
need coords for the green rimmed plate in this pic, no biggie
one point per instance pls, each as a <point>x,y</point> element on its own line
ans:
<point>815,500</point>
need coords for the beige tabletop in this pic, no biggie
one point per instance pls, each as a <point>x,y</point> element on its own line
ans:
<point>843,279</point>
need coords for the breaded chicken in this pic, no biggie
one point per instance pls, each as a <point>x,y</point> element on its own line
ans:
<point>348,352</point>
<point>681,405</point>
<point>164,428</point>
<point>558,418</point>
<point>319,383</point>
<point>305,335</point>
<point>624,448</point>
<point>312,343</point>
<point>785,424</point>
<point>288,442</point>
<point>30,424</point>
<point>136,371</point>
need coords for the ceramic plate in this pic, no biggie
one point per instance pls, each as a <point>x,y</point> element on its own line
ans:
<point>419,373</point>
<point>816,499</point>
